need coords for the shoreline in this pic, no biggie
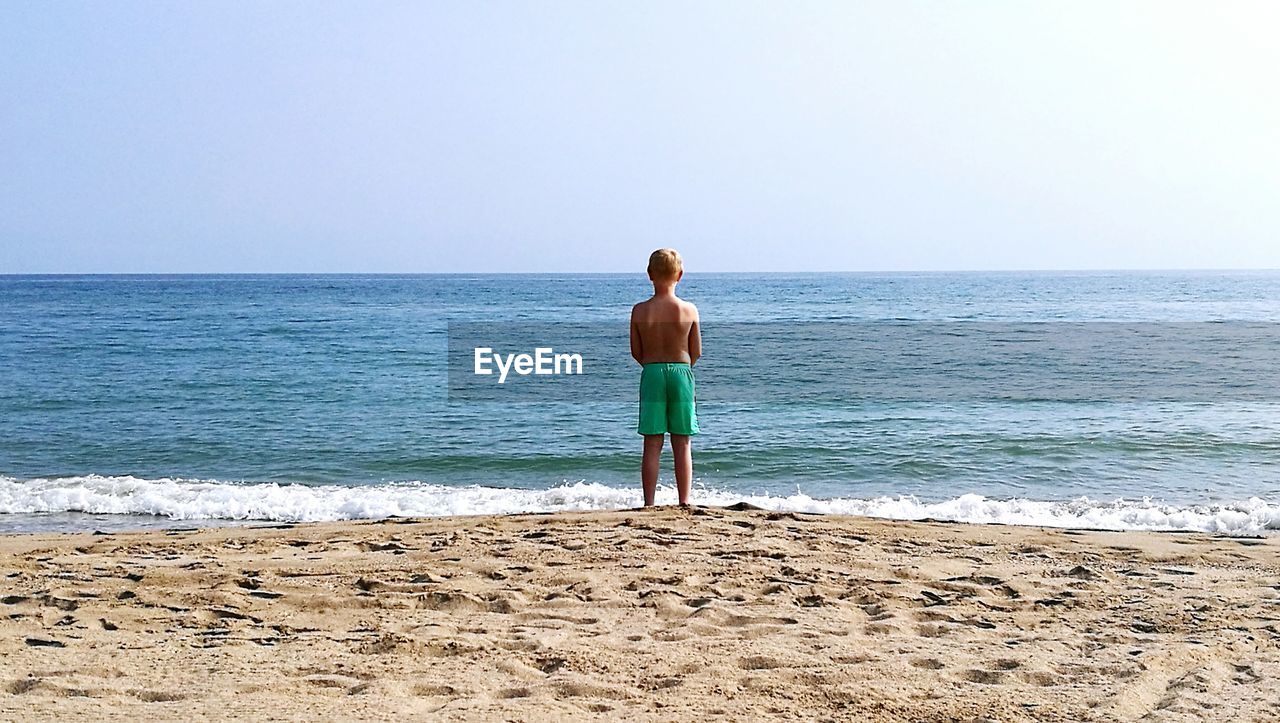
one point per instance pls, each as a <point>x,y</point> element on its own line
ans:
<point>664,614</point>
<point>162,524</point>
<point>117,504</point>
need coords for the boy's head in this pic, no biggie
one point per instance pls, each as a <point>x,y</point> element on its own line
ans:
<point>665,265</point>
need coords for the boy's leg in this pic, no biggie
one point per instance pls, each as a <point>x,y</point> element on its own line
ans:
<point>682,450</point>
<point>649,465</point>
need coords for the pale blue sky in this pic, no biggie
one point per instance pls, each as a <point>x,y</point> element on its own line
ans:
<point>577,136</point>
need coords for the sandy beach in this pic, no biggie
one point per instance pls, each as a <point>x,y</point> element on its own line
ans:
<point>671,614</point>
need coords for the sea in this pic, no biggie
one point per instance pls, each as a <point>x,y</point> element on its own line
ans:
<point>1100,400</point>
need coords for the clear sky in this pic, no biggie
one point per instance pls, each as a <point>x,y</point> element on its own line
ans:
<point>577,136</point>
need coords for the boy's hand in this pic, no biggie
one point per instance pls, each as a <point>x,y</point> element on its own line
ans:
<point>637,346</point>
<point>695,338</point>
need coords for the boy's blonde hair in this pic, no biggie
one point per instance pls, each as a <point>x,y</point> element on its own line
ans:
<point>665,264</point>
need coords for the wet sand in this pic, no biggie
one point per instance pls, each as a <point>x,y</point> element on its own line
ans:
<point>667,614</point>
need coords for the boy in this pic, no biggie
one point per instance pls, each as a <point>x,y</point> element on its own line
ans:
<point>666,341</point>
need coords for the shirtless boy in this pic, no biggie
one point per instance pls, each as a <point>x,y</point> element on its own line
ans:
<point>666,341</point>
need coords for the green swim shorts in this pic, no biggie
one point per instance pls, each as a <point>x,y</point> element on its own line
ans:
<point>666,400</point>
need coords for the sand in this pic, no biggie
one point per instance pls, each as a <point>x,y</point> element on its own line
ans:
<point>667,614</point>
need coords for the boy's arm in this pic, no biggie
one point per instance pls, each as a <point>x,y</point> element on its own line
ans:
<point>637,347</point>
<point>695,338</point>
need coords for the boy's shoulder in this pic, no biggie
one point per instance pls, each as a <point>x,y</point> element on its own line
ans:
<point>680,301</point>
<point>663,310</point>
<point>687,305</point>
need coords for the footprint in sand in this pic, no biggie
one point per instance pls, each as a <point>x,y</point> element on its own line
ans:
<point>543,616</point>
<point>856,659</point>
<point>1245,674</point>
<point>60,603</point>
<point>760,662</point>
<point>427,690</point>
<point>876,612</point>
<point>586,689</point>
<point>24,685</point>
<point>451,602</point>
<point>1040,678</point>
<point>393,546</point>
<point>928,663</point>
<point>985,677</point>
<point>933,598</point>
<point>1006,664</point>
<point>1079,572</point>
<point>157,696</point>
<point>350,684</point>
<point>879,629</point>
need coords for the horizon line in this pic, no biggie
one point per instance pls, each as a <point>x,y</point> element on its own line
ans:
<point>641,272</point>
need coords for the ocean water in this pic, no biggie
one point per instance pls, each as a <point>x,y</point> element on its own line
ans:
<point>1101,400</point>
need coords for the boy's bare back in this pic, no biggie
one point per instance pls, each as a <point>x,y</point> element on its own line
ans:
<point>664,329</point>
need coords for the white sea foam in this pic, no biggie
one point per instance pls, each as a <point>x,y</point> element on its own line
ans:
<point>182,499</point>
